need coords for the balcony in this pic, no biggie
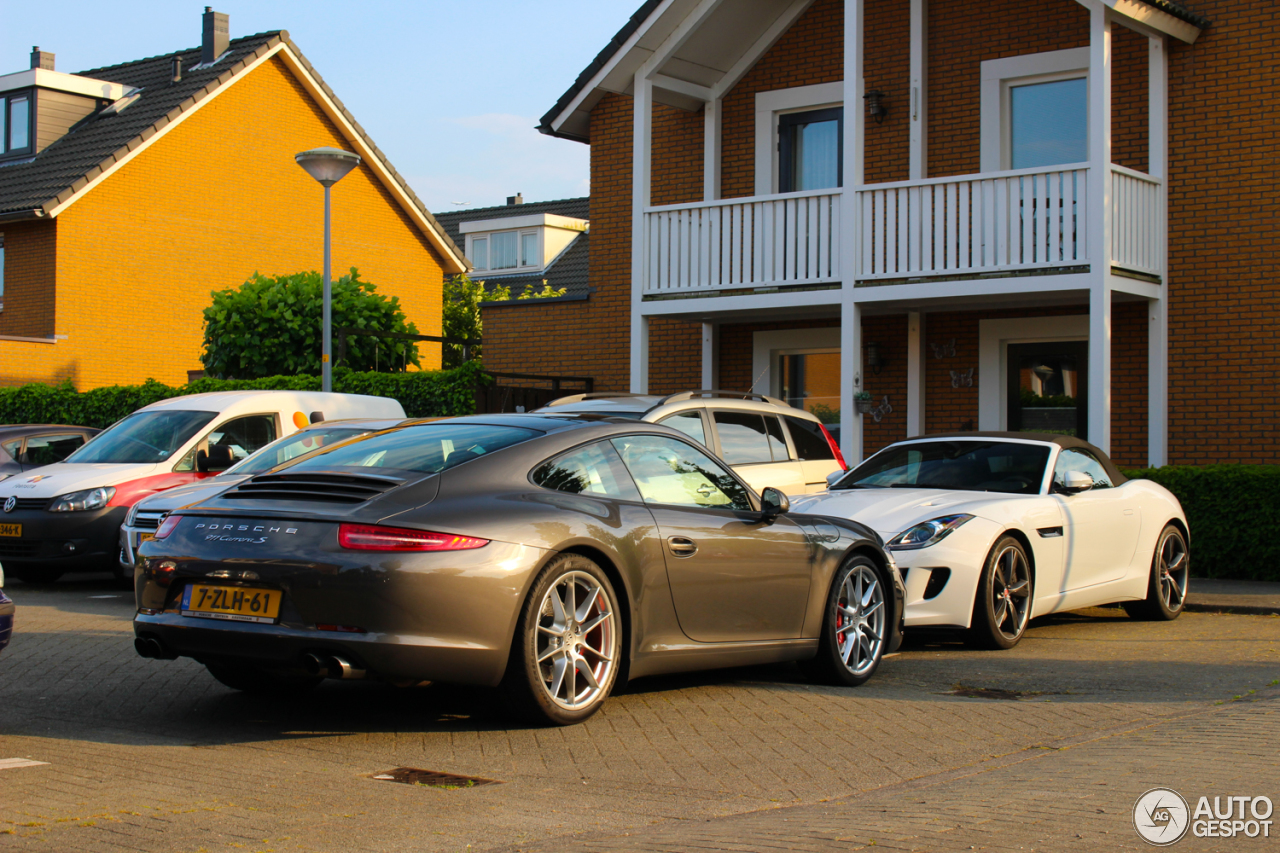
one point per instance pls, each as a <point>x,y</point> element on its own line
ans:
<point>1024,222</point>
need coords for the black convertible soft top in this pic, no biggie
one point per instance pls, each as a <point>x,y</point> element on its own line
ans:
<point>1061,440</point>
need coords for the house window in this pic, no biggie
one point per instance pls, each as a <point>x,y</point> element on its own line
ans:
<point>505,250</point>
<point>810,150</point>
<point>15,124</point>
<point>1048,123</point>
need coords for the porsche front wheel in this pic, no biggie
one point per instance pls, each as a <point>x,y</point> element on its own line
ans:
<point>1002,606</point>
<point>854,628</point>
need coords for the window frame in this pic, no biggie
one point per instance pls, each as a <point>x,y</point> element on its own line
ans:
<point>753,499</point>
<point>1085,452</point>
<point>999,76</point>
<point>769,107</point>
<point>786,141</point>
<point>521,233</point>
<point>202,443</point>
<point>6,122</point>
<point>608,449</point>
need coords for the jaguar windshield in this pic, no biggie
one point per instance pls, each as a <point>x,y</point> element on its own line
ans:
<point>143,437</point>
<point>978,466</point>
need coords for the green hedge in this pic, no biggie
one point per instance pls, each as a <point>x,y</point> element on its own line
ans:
<point>423,394</point>
<point>1234,514</point>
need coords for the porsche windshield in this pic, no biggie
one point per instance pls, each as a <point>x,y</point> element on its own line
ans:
<point>428,448</point>
<point>144,437</point>
<point>979,466</point>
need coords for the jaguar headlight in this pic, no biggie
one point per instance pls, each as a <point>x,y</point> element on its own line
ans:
<point>83,500</point>
<point>926,533</point>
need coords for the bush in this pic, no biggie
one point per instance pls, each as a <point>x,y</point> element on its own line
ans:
<point>1234,515</point>
<point>272,325</point>
<point>424,394</point>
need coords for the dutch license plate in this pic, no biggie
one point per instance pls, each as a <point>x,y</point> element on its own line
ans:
<point>234,603</point>
<point>10,529</point>
<point>144,537</point>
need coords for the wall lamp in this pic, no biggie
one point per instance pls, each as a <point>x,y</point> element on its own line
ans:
<point>874,362</point>
<point>875,109</point>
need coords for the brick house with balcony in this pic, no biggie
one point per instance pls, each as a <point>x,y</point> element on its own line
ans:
<point>1008,214</point>
<point>128,193</point>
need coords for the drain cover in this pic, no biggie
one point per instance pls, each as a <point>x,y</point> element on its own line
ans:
<point>432,779</point>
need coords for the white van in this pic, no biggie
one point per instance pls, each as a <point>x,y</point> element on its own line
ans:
<point>67,516</point>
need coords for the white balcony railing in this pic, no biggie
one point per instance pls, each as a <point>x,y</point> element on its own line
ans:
<point>1000,222</point>
<point>994,222</point>
<point>1137,221</point>
<point>787,239</point>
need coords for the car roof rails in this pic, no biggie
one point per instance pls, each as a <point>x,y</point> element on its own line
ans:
<point>727,395</point>
<point>595,395</point>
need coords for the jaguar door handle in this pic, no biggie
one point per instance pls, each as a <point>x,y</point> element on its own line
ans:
<point>682,546</point>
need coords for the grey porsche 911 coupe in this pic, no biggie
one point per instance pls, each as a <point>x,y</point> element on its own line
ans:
<point>556,556</point>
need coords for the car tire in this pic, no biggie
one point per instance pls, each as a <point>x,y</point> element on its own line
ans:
<point>36,574</point>
<point>1167,581</point>
<point>261,682</point>
<point>855,625</point>
<point>567,646</point>
<point>1002,605</point>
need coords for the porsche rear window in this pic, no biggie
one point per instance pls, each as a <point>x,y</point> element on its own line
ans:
<point>980,466</point>
<point>428,448</point>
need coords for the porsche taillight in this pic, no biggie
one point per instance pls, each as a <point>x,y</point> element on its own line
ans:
<point>166,526</point>
<point>835,448</point>
<point>373,537</point>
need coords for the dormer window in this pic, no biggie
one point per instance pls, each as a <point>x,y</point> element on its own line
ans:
<point>519,244</point>
<point>15,123</point>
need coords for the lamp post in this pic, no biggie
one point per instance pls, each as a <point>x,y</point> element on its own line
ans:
<point>328,166</point>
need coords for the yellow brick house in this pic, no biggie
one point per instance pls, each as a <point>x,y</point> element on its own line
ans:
<point>128,193</point>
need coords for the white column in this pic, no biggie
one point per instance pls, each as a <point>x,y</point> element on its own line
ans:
<point>711,356</point>
<point>1158,309</point>
<point>1099,218</point>
<point>919,141</point>
<point>850,229</point>
<point>642,138</point>
<point>711,151</point>
<point>915,374</point>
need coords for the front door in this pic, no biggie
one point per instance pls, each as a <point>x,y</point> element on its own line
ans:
<point>1048,388</point>
<point>1100,525</point>
<point>733,576</point>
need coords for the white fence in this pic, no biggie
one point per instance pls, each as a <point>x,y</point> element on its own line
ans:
<point>750,242</point>
<point>1026,219</point>
<point>1137,221</point>
<point>993,222</point>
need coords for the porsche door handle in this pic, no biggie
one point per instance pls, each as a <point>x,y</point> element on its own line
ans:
<point>681,546</point>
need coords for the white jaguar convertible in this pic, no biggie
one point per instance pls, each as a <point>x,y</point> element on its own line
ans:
<point>991,530</point>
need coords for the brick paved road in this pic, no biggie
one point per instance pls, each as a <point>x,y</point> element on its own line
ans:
<point>150,755</point>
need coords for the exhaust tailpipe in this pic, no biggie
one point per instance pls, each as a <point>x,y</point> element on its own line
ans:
<point>330,666</point>
<point>150,647</point>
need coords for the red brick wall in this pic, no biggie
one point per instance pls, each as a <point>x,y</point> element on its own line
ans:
<point>675,171</point>
<point>1224,324</point>
<point>30,264</point>
<point>1130,63</point>
<point>1129,383</point>
<point>887,67</point>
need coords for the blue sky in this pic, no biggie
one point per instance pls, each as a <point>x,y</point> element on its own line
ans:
<point>449,89</point>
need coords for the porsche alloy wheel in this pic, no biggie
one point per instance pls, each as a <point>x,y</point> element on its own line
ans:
<point>567,643</point>
<point>1167,588</point>
<point>1003,604</point>
<point>855,628</point>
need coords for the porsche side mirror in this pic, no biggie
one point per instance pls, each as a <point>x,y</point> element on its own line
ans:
<point>773,503</point>
<point>834,476</point>
<point>1076,481</point>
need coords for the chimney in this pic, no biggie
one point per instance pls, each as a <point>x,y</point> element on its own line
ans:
<point>518,198</point>
<point>41,59</point>
<point>217,35</point>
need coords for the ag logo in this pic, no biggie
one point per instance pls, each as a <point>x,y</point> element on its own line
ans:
<point>1161,816</point>
<point>10,504</point>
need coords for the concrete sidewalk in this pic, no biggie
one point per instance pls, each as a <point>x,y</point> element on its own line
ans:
<point>1257,597</point>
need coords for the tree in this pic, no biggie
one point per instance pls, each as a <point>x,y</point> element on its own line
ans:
<point>462,298</point>
<point>272,325</point>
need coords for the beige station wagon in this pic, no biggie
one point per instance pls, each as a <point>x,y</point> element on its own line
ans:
<point>768,442</point>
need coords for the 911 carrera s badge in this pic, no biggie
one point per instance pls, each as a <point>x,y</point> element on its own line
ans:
<point>229,529</point>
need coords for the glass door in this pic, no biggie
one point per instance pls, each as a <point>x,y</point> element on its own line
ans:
<point>1048,388</point>
<point>811,381</point>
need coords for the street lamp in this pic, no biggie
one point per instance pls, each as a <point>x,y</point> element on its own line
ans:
<point>328,166</point>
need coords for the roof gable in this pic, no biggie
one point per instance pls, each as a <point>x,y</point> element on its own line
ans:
<point>44,185</point>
